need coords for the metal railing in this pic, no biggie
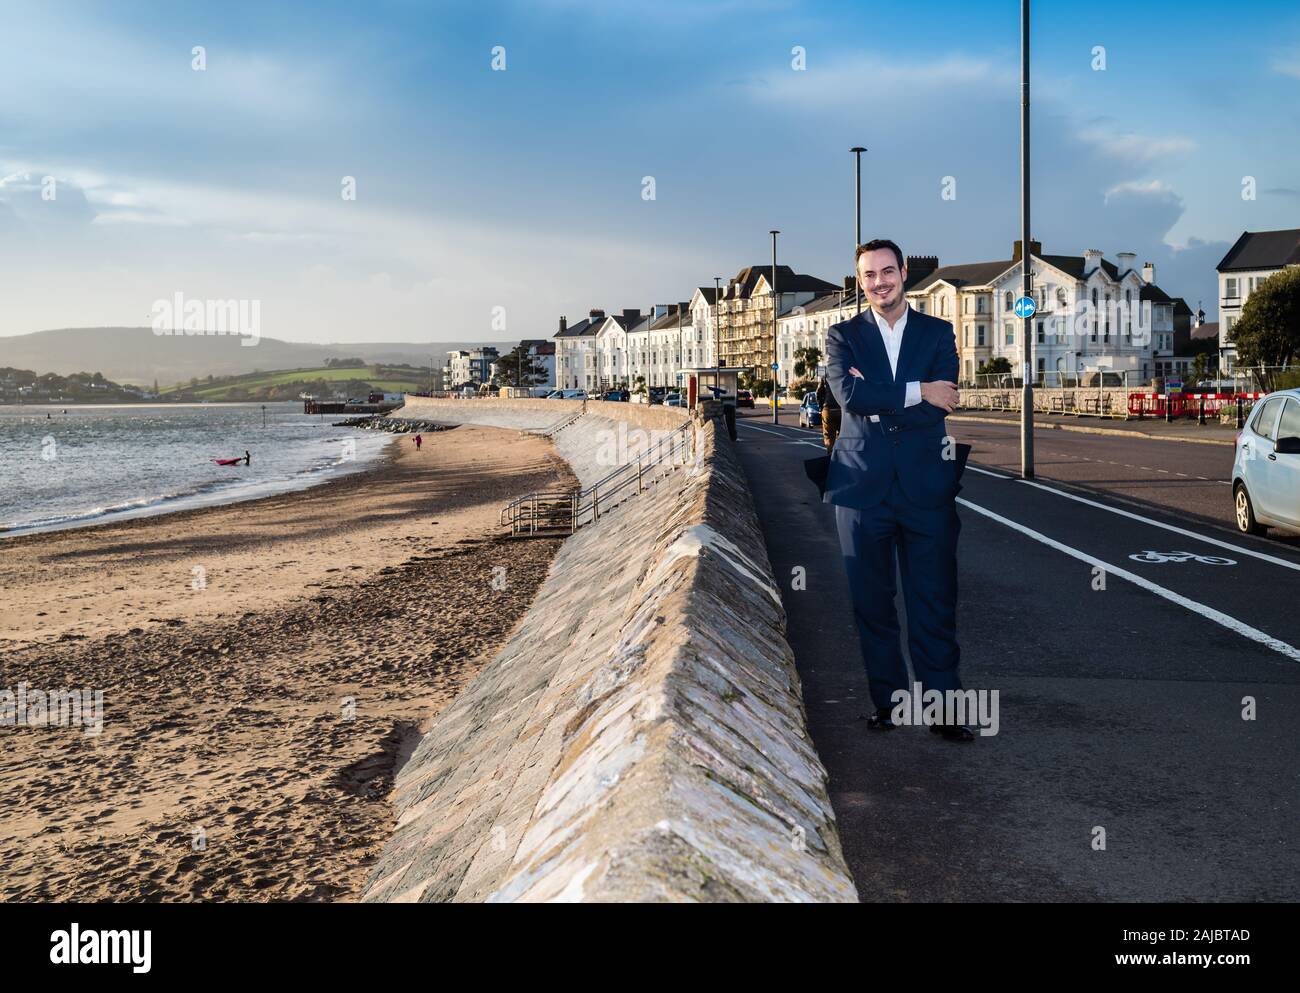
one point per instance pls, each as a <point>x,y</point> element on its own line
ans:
<point>551,512</point>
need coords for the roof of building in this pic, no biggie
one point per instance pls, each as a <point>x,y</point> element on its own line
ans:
<point>582,328</point>
<point>1210,329</point>
<point>970,274</point>
<point>827,301</point>
<point>669,321</point>
<point>983,273</point>
<point>628,322</point>
<point>787,281</point>
<point>1263,250</point>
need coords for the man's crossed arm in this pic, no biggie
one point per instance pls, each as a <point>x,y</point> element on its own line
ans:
<point>862,396</point>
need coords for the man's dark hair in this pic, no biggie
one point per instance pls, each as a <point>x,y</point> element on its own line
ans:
<point>872,246</point>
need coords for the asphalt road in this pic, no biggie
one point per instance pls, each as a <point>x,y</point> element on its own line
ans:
<point>1120,707</point>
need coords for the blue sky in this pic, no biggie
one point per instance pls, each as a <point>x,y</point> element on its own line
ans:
<point>522,189</point>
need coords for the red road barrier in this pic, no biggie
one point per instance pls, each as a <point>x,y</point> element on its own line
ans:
<point>1183,404</point>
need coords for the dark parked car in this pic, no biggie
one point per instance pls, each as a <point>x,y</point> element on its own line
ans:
<point>622,396</point>
<point>744,398</point>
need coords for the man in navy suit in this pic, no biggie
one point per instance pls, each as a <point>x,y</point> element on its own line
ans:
<point>893,479</point>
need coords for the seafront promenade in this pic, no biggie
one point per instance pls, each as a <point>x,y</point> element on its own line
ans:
<point>642,734</point>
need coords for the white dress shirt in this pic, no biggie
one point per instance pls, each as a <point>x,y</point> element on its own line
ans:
<point>892,335</point>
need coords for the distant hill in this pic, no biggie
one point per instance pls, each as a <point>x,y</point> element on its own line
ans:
<point>137,355</point>
<point>288,384</point>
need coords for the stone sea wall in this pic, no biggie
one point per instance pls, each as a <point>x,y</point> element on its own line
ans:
<point>641,737</point>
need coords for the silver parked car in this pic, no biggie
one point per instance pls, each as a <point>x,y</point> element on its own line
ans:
<point>1266,471</point>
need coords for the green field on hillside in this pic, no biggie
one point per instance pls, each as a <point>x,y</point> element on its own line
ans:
<point>393,380</point>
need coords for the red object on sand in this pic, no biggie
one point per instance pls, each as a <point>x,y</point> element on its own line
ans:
<point>228,461</point>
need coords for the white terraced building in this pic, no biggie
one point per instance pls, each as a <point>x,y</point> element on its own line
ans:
<point>1254,257</point>
<point>575,352</point>
<point>1090,315</point>
<point>606,351</point>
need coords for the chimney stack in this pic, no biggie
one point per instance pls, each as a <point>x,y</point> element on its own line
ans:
<point>918,267</point>
<point>1035,248</point>
<point>1148,273</point>
<point>1125,261</point>
<point>1091,260</point>
<point>595,315</point>
<point>564,324</point>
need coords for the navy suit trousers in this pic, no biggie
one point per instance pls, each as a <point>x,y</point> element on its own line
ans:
<point>925,541</point>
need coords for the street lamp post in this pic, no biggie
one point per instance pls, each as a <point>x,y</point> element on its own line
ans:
<point>717,331</point>
<point>857,151</point>
<point>1027,392</point>
<point>776,361</point>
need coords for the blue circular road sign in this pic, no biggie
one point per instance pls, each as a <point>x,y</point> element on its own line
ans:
<point>1025,307</point>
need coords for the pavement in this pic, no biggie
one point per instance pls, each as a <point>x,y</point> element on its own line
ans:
<point>1121,671</point>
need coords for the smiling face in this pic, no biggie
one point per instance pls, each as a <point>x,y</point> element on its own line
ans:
<point>882,279</point>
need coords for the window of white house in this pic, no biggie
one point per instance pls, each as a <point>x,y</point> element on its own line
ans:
<point>1009,300</point>
<point>979,305</point>
<point>1010,330</point>
<point>1230,287</point>
<point>979,335</point>
<point>1041,336</point>
<point>920,306</point>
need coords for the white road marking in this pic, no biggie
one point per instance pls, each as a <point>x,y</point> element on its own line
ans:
<point>1263,556</point>
<point>755,427</point>
<point>779,434</point>
<point>985,472</point>
<point>1209,613</point>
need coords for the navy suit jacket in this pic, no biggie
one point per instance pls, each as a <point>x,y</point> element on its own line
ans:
<point>908,443</point>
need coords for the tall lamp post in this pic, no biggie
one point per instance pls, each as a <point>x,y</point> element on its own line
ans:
<point>776,361</point>
<point>1027,393</point>
<point>717,333</point>
<point>857,231</point>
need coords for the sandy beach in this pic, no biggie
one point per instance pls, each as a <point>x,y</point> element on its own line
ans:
<point>264,669</point>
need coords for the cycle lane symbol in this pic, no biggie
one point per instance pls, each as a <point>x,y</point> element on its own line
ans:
<point>1160,557</point>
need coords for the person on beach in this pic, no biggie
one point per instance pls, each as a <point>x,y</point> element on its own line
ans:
<point>248,459</point>
<point>418,442</point>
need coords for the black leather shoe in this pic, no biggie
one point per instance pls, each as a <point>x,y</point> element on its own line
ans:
<point>953,732</point>
<point>881,720</point>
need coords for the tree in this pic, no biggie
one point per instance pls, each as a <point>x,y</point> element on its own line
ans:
<point>1199,368</point>
<point>1268,333</point>
<point>518,368</point>
<point>999,366</point>
<point>806,361</point>
<point>639,386</point>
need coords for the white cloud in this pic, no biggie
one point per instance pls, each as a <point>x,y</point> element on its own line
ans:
<point>871,78</point>
<point>1134,148</point>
